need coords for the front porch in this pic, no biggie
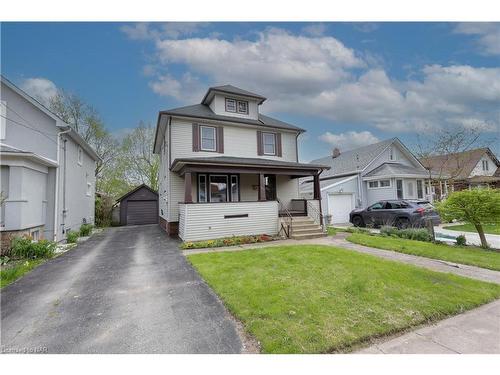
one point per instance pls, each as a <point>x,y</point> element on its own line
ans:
<point>242,197</point>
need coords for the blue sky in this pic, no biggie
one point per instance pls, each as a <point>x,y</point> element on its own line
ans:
<point>348,84</point>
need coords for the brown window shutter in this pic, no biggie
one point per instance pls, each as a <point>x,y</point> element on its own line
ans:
<point>279,151</point>
<point>260,148</point>
<point>196,138</point>
<point>220,140</point>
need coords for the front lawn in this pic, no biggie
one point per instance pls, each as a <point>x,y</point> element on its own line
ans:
<point>488,228</point>
<point>15,269</point>
<point>474,256</point>
<point>317,299</point>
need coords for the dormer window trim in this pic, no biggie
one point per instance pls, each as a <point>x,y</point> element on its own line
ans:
<point>236,106</point>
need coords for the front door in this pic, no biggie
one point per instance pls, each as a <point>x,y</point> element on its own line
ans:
<point>270,180</point>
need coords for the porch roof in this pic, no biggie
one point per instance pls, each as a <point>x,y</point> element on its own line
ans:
<point>245,165</point>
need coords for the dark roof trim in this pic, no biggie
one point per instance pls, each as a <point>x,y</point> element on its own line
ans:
<point>239,92</point>
<point>134,190</point>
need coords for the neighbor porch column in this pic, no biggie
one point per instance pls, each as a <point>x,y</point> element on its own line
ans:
<point>317,190</point>
<point>262,187</point>
<point>188,195</point>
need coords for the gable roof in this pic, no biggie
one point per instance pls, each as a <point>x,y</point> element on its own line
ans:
<point>457,165</point>
<point>395,169</point>
<point>230,89</point>
<point>353,161</point>
<point>141,186</point>
<point>203,111</point>
<point>73,134</point>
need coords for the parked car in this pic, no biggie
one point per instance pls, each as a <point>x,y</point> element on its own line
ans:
<point>399,213</point>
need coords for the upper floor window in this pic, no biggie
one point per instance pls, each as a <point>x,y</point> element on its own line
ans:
<point>236,106</point>
<point>208,138</point>
<point>269,143</point>
<point>80,155</point>
<point>485,165</point>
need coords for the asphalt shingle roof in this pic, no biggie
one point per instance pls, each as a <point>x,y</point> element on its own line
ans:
<point>248,161</point>
<point>230,89</point>
<point>352,160</point>
<point>204,111</point>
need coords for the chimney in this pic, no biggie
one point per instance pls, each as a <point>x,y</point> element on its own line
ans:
<point>335,153</point>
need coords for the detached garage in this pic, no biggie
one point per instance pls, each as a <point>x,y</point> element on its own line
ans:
<point>139,206</point>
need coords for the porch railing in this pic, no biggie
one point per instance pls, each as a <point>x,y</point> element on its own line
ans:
<point>314,213</point>
<point>286,220</point>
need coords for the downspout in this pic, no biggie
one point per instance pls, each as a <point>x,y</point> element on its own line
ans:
<point>64,188</point>
<point>360,188</point>
<point>57,181</point>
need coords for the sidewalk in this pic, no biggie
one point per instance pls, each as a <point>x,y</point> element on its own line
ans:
<point>474,332</point>
<point>472,238</point>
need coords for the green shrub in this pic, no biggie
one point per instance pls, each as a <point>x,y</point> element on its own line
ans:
<point>85,230</point>
<point>461,240</point>
<point>417,234</point>
<point>24,248</point>
<point>72,236</point>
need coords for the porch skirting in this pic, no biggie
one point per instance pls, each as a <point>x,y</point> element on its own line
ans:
<point>204,221</point>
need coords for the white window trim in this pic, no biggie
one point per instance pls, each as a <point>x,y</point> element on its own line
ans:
<point>79,155</point>
<point>264,144</point>
<point>238,107</point>
<point>89,189</point>
<point>214,129</point>
<point>206,188</point>
<point>235,105</point>
<point>227,186</point>
<point>378,184</point>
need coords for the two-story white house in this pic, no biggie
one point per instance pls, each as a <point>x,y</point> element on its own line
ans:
<point>360,177</point>
<point>47,170</point>
<point>227,169</point>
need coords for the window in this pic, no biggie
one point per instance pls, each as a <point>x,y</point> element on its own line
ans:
<point>410,189</point>
<point>80,155</point>
<point>208,138</point>
<point>485,165</point>
<point>235,196</point>
<point>202,188</point>
<point>89,189</point>
<point>420,190</point>
<point>243,107</point>
<point>269,143</point>
<point>373,184</point>
<point>218,188</point>
<point>385,183</point>
<point>230,105</point>
<point>3,119</point>
<point>377,206</point>
<point>35,235</point>
<point>399,189</point>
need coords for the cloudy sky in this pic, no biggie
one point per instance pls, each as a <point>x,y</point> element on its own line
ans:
<point>348,84</point>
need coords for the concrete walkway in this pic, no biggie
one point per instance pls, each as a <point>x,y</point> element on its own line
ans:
<point>474,332</point>
<point>340,241</point>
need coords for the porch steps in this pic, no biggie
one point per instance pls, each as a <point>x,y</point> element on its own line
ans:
<point>305,228</point>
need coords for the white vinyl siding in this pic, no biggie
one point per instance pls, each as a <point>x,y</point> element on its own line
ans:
<point>239,141</point>
<point>207,221</point>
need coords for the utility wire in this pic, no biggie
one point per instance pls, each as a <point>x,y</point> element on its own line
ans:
<point>29,127</point>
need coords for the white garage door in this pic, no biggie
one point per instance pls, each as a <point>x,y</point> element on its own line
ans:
<point>339,206</point>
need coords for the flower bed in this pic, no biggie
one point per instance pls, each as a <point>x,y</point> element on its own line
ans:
<point>227,241</point>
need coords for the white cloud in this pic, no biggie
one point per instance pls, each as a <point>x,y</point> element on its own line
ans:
<point>315,29</point>
<point>41,89</point>
<point>320,76</point>
<point>153,31</point>
<point>488,34</point>
<point>349,140</point>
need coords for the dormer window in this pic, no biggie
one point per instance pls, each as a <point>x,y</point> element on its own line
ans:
<point>269,143</point>
<point>237,106</point>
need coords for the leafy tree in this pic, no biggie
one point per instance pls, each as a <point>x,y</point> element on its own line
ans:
<point>141,164</point>
<point>476,206</point>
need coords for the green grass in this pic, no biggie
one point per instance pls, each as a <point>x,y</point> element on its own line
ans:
<point>331,231</point>
<point>316,299</point>
<point>474,256</point>
<point>15,269</point>
<point>488,228</point>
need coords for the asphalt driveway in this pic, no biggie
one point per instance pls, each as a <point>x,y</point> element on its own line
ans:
<point>126,290</point>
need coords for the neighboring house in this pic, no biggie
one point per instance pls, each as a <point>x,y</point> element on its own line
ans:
<point>226,169</point>
<point>359,178</point>
<point>463,170</point>
<point>47,170</point>
<point>139,206</point>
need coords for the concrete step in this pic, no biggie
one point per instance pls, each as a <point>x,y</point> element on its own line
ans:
<point>299,221</point>
<point>308,235</point>
<point>313,229</point>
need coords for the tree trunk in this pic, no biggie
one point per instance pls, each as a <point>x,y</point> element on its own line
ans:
<point>480,231</point>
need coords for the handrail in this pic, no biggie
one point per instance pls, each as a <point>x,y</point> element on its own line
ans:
<point>317,214</point>
<point>282,208</point>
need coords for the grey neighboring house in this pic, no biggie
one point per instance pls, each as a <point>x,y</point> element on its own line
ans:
<point>360,177</point>
<point>47,170</point>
